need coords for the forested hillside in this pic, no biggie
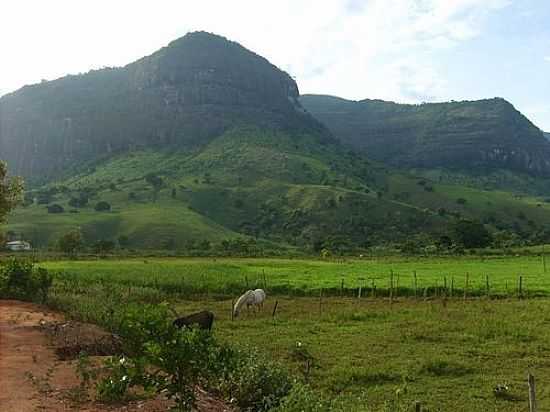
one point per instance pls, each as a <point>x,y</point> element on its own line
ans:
<point>475,136</point>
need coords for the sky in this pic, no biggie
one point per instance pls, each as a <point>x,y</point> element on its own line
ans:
<point>408,51</point>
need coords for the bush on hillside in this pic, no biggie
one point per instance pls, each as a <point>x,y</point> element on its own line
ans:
<point>102,207</point>
<point>55,208</point>
<point>103,246</point>
<point>472,234</point>
<point>71,243</point>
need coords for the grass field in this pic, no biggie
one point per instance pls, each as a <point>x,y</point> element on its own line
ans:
<point>227,276</point>
<point>447,353</point>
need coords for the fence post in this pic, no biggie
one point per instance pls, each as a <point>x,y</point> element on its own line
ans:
<point>320,301</point>
<point>232,306</point>
<point>466,286</point>
<point>452,285</point>
<point>373,289</point>
<point>520,287</point>
<point>543,259</point>
<point>532,393</point>
<point>342,288</point>
<point>359,293</point>
<point>275,309</point>
<point>417,407</point>
<point>487,288</point>
<point>415,285</point>
<point>391,287</point>
<point>397,286</point>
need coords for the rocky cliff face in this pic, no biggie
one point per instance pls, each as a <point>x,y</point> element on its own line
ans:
<point>476,135</point>
<point>182,96</point>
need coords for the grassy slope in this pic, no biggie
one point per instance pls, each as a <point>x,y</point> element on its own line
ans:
<point>289,190</point>
<point>240,180</point>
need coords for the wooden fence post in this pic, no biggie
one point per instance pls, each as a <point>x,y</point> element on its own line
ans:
<point>417,407</point>
<point>342,288</point>
<point>320,301</point>
<point>275,309</point>
<point>232,306</point>
<point>397,286</point>
<point>466,286</point>
<point>452,285</point>
<point>373,289</point>
<point>543,259</point>
<point>359,293</point>
<point>391,287</point>
<point>532,393</point>
<point>415,285</point>
<point>487,288</point>
<point>520,287</point>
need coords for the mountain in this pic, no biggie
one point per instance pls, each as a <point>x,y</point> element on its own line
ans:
<point>182,96</point>
<point>474,136</point>
<point>206,144</point>
<point>547,136</point>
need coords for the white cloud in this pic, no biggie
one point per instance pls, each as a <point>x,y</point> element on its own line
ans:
<point>352,48</point>
<point>547,59</point>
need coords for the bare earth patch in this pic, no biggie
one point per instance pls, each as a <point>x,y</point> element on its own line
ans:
<point>37,367</point>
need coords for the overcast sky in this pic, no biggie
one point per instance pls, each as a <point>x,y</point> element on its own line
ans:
<point>401,50</point>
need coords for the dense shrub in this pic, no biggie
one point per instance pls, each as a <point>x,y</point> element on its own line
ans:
<point>103,246</point>
<point>102,207</point>
<point>19,279</point>
<point>254,382</point>
<point>302,398</point>
<point>55,208</point>
<point>71,243</point>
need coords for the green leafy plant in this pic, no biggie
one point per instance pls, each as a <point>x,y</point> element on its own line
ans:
<point>19,279</point>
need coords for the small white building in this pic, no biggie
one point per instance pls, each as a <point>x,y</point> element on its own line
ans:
<point>18,246</point>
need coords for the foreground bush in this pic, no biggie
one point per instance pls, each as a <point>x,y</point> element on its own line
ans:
<point>19,279</point>
<point>159,357</point>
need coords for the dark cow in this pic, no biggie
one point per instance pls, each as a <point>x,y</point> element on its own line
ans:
<point>203,320</point>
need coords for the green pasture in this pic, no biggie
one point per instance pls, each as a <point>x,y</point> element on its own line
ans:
<point>229,276</point>
<point>449,354</point>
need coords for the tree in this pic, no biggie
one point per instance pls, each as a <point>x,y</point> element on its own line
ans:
<point>123,241</point>
<point>71,243</point>
<point>156,182</point>
<point>103,246</point>
<point>11,190</point>
<point>102,207</point>
<point>472,234</point>
<point>55,208</point>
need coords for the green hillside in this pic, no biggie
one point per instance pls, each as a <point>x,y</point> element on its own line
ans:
<point>254,184</point>
<point>479,137</point>
<point>247,182</point>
